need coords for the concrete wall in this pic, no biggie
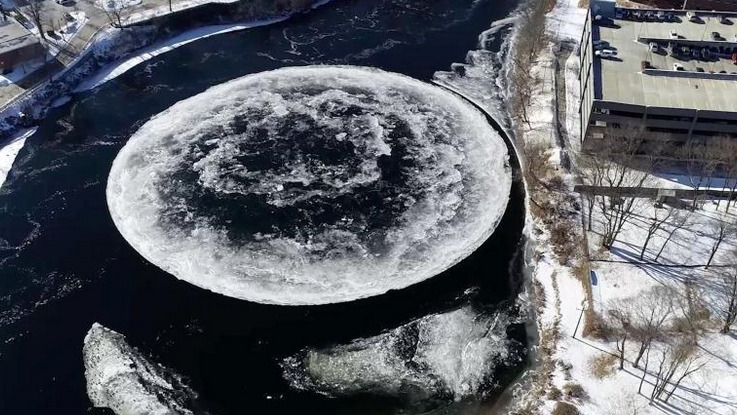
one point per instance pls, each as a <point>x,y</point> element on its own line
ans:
<point>585,76</point>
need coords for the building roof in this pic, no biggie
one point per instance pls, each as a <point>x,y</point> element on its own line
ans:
<point>623,80</point>
<point>14,36</point>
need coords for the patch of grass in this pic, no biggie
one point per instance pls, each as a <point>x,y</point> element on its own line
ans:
<point>554,394</point>
<point>603,365</point>
<point>564,408</point>
<point>573,390</point>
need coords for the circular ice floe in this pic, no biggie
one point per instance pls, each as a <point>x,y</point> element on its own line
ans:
<point>311,185</point>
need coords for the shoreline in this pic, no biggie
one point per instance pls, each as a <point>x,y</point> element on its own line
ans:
<point>123,65</point>
<point>10,147</point>
<point>9,151</point>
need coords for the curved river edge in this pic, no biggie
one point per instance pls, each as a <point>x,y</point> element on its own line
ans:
<point>522,266</point>
<point>114,51</point>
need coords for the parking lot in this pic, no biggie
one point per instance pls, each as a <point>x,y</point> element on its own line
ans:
<point>707,76</point>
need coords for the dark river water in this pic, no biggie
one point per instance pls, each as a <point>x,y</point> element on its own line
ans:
<point>63,264</point>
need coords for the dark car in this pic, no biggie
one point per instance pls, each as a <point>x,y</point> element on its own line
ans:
<point>716,36</point>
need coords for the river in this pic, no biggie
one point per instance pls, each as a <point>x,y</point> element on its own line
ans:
<point>63,264</point>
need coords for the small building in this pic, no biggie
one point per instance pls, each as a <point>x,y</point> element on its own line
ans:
<point>17,45</point>
<point>670,73</point>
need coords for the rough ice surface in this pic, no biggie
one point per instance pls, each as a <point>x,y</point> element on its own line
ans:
<point>311,185</point>
<point>482,78</point>
<point>119,377</point>
<point>448,355</point>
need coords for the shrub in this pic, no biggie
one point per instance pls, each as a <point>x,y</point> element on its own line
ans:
<point>603,365</point>
<point>563,408</point>
<point>596,327</point>
<point>574,391</point>
<point>554,394</point>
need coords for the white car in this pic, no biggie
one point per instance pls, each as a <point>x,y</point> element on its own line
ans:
<point>605,53</point>
<point>654,47</point>
<point>673,34</point>
<point>678,67</point>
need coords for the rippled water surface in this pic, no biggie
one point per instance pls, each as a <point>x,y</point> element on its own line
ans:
<point>64,265</point>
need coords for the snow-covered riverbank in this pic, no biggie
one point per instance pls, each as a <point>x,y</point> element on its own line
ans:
<point>10,150</point>
<point>122,66</point>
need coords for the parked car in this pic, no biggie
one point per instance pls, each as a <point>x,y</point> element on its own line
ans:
<point>678,67</point>
<point>699,69</point>
<point>723,20</point>
<point>673,34</point>
<point>692,17</point>
<point>605,53</point>
<point>654,47</point>
<point>644,65</point>
<point>716,36</point>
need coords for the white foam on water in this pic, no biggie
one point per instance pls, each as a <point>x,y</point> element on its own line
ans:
<point>449,354</point>
<point>119,377</point>
<point>456,189</point>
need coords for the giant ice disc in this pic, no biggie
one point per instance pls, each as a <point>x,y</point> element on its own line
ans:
<point>311,185</point>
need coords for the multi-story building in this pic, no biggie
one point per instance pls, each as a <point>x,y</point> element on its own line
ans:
<point>671,74</point>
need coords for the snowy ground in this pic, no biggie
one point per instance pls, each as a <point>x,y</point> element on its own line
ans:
<point>120,67</point>
<point>10,150</point>
<point>621,275</point>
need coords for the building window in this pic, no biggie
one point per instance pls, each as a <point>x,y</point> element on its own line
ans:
<point>627,114</point>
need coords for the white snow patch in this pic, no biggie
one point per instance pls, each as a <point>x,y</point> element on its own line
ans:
<point>122,66</point>
<point>9,152</point>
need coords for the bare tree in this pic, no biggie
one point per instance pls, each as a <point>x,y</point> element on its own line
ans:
<point>615,163</point>
<point>591,171</point>
<point>677,362</point>
<point>114,11</point>
<point>644,370</point>
<point>528,44</point>
<point>650,311</point>
<point>621,312</point>
<point>702,162</point>
<point>655,224</point>
<point>680,219</point>
<point>729,280</point>
<point>37,12</point>
<point>719,229</point>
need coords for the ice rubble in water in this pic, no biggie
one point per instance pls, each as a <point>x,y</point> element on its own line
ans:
<point>311,185</point>
<point>448,355</point>
<point>119,377</point>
